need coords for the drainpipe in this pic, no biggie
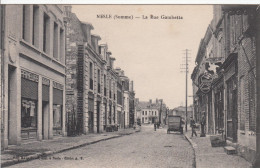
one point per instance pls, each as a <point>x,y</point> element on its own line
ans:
<point>257,22</point>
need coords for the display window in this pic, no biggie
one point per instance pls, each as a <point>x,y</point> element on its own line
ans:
<point>57,116</point>
<point>29,114</point>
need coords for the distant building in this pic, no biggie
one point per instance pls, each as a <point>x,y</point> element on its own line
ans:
<point>149,112</point>
<point>181,111</point>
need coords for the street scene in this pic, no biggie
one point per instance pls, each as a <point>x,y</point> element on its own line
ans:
<point>130,86</point>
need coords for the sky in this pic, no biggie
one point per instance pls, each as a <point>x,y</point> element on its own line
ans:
<point>151,51</point>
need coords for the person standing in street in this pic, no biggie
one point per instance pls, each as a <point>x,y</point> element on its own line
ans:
<point>154,126</point>
<point>203,123</point>
<point>193,126</point>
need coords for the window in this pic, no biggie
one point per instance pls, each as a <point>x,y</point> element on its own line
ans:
<point>55,41</point>
<point>152,112</point>
<point>62,43</point>
<point>91,76</point>
<point>26,25</point>
<point>46,33</point>
<point>57,116</point>
<point>29,113</point>
<point>98,78</point>
<point>110,94</point>
<point>145,112</point>
<point>35,24</point>
<point>155,112</point>
<point>105,84</point>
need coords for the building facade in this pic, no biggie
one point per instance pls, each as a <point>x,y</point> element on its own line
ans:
<point>149,112</point>
<point>228,58</point>
<point>97,93</point>
<point>34,72</point>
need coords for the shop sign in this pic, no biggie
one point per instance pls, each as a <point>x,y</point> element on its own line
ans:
<point>29,76</point>
<point>45,81</point>
<point>205,81</point>
<point>57,86</point>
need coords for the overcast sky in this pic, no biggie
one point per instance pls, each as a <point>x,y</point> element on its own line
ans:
<point>151,51</point>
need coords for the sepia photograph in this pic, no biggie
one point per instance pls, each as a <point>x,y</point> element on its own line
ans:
<point>130,85</point>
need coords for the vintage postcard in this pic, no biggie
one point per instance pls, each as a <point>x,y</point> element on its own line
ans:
<point>134,85</point>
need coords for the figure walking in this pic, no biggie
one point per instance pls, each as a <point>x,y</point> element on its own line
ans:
<point>154,126</point>
<point>193,126</point>
<point>203,123</point>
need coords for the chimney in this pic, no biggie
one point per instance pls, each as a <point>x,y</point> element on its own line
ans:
<point>132,86</point>
<point>86,28</point>
<point>94,42</point>
<point>150,101</point>
<point>137,100</point>
<point>112,59</point>
<point>67,10</point>
<point>103,51</point>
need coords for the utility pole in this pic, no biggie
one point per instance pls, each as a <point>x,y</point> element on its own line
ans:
<point>186,70</point>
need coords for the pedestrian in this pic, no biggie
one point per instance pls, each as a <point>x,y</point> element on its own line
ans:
<point>193,126</point>
<point>154,126</point>
<point>203,123</point>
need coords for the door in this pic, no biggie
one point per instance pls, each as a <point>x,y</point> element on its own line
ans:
<point>234,115</point>
<point>231,111</point>
<point>98,116</point>
<point>90,122</point>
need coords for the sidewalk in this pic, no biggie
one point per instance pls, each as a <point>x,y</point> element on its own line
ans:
<point>213,157</point>
<point>34,149</point>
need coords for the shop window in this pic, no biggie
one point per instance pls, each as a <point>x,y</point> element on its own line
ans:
<point>57,116</point>
<point>29,113</point>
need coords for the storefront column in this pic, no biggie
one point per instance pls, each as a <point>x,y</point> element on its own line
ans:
<point>15,106</point>
<point>95,114</point>
<point>39,110</point>
<point>213,112</point>
<point>101,128</point>
<point>64,131</point>
<point>85,112</point>
<point>51,111</point>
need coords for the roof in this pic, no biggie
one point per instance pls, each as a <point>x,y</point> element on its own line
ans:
<point>182,108</point>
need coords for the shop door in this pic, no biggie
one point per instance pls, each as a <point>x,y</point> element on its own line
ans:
<point>231,112</point>
<point>234,115</point>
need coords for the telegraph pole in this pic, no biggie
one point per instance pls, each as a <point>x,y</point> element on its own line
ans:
<point>186,70</point>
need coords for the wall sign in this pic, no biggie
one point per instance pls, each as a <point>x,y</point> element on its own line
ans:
<point>205,81</point>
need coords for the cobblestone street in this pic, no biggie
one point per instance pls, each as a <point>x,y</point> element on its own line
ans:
<point>147,148</point>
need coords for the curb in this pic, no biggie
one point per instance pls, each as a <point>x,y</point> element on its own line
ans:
<point>48,153</point>
<point>194,148</point>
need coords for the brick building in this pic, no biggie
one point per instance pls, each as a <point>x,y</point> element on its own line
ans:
<point>34,72</point>
<point>95,89</point>
<point>230,61</point>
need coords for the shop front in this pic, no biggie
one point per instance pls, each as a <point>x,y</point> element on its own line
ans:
<point>29,103</point>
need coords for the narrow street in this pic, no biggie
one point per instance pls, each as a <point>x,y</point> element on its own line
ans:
<point>147,148</point>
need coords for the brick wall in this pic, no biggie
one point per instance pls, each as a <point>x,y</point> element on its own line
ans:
<point>74,36</point>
